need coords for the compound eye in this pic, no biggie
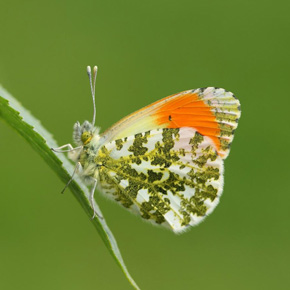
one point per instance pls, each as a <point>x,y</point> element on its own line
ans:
<point>86,137</point>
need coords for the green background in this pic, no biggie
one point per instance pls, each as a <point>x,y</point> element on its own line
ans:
<point>146,50</point>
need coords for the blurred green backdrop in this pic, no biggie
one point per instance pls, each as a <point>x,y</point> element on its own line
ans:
<point>146,50</point>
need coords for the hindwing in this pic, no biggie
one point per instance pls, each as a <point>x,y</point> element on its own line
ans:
<point>169,176</point>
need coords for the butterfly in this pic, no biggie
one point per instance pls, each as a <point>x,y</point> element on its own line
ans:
<point>163,162</point>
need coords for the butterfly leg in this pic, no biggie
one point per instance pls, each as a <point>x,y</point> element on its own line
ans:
<point>77,168</point>
<point>92,200</point>
<point>58,150</point>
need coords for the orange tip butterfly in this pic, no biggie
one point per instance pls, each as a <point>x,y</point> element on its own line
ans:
<point>163,162</point>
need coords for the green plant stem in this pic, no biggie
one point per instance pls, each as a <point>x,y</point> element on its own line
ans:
<point>41,141</point>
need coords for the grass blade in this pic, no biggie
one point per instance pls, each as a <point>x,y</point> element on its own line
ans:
<point>14,114</point>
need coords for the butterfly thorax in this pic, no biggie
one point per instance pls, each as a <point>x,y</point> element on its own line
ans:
<point>83,134</point>
<point>87,137</point>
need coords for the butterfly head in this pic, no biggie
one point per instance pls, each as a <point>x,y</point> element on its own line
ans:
<point>83,134</point>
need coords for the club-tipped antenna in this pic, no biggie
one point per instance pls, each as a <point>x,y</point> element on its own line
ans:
<point>93,88</point>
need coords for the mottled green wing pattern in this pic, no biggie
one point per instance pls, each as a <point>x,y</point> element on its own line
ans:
<point>171,177</point>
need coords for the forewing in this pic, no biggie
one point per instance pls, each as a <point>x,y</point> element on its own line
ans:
<point>172,177</point>
<point>213,112</point>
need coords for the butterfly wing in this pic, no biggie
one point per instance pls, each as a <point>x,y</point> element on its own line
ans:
<point>171,177</point>
<point>213,112</point>
<point>165,161</point>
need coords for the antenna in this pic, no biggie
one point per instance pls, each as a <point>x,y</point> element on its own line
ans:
<point>93,88</point>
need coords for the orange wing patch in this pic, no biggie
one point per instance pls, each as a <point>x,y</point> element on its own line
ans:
<point>189,111</point>
<point>213,112</point>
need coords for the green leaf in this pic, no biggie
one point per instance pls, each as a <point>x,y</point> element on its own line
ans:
<point>41,141</point>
